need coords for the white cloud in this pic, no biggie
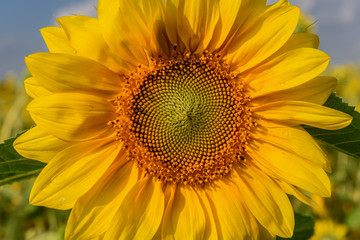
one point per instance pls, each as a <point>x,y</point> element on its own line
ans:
<point>86,7</point>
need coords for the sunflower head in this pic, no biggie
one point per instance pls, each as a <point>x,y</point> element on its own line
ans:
<point>184,121</point>
<point>179,119</point>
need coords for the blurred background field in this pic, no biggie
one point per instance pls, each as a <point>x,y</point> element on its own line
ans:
<point>336,218</point>
<point>18,219</point>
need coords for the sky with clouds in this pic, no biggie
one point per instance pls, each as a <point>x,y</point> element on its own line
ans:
<point>20,21</point>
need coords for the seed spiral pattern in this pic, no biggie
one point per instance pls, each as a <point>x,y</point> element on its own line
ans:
<point>184,121</point>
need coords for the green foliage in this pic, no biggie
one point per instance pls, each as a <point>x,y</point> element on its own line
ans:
<point>346,140</point>
<point>353,219</point>
<point>304,228</point>
<point>13,166</point>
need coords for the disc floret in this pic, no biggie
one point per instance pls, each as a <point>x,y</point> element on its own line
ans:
<point>184,119</point>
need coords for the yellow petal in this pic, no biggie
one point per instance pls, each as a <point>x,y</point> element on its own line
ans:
<point>72,116</point>
<point>292,190</point>
<point>56,40</point>
<point>184,216</point>
<point>232,218</point>
<point>67,73</point>
<point>34,89</point>
<point>85,36</point>
<point>140,213</point>
<point>212,18</point>
<point>211,230</point>
<point>73,172</point>
<point>285,71</point>
<point>153,13</point>
<point>125,29</point>
<point>39,145</point>
<point>265,37</point>
<point>265,200</point>
<point>316,90</point>
<point>295,140</point>
<point>171,21</point>
<point>196,21</point>
<point>297,113</point>
<point>280,3</point>
<point>264,234</point>
<point>290,168</point>
<point>228,15</point>
<point>235,18</point>
<point>300,40</point>
<point>93,213</point>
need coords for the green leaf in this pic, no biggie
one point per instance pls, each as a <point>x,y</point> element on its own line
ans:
<point>304,228</point>
<point>353,218</point>
<point>346,140</point>
<point>13,166</point>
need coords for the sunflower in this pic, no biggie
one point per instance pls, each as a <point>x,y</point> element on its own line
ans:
<point>178,119</point>
<point>329,230</point>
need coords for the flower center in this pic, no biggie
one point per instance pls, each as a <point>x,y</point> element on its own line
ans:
<point>185,120</point>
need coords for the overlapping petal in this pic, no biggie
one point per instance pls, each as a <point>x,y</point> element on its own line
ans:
<point>294,140</point>
<point>297,112</point>
<point>195,22</point>
<point>316,90</point>
<point>85,37</point>
<point>233,220</point>
<point>265,200</point>
<point>267,35</point>
<point>140,213</point>
<point>212,230</point>
<point>234,15</point>
<point>184,216</point>
<point>93,213</point>
<point>290,168</point>
<point>68,73</point>
<point>73,171</point>
<point>34,89</point>
<point>285,71</point>
<point>56,40</point>
<point>39,145</point>
<point>127,27</point>
<point>72,116</point>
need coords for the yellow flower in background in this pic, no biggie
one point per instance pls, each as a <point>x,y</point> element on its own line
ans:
<point>179,119</point>
<point>319,208</point>
<point>349,83</point>
<point>328,230</point>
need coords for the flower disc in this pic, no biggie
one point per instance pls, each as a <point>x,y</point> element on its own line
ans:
<point>185,116</point>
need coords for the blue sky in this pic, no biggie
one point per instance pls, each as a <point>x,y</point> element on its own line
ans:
<point>20,21</point>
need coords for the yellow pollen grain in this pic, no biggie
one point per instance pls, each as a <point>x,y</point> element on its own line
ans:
<point>184,120</point>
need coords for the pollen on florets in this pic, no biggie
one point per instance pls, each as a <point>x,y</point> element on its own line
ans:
<point>184,119</point>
